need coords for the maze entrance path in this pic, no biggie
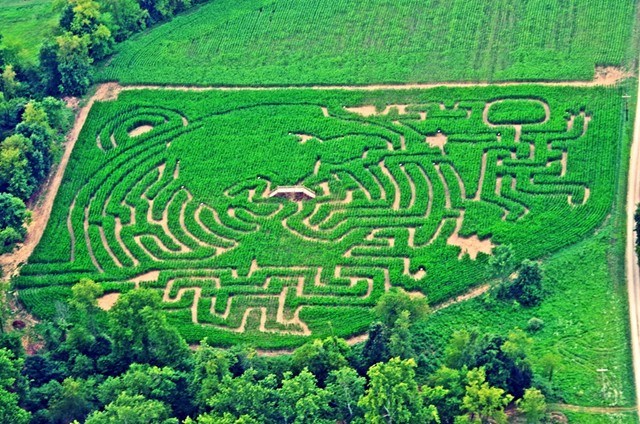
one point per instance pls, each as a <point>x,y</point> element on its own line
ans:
<point>272,216</point>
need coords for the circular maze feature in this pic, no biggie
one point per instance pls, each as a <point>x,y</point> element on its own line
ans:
<point>274,216</point>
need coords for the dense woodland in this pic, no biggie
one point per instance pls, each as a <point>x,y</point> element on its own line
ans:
<point>129,365</point>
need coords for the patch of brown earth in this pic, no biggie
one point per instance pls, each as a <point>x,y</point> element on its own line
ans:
<point>142,129</point>
<point>107,301</point>
<point>438,141</point>
<point>469,245</point>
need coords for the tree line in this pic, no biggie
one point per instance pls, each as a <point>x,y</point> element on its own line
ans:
<point>129,365</point>
<point>33,119</point>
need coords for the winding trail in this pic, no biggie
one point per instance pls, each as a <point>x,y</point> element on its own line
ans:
<point>632,270</point>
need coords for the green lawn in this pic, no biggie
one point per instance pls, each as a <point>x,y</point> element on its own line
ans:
<point>258,42</point>
<point>25,24</point>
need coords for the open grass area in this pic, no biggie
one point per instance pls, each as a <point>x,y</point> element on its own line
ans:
<point>585,323</point>
<point>264,216</point>
<point>266,42</point>
<point>586,418</point>
<point>25,24</point>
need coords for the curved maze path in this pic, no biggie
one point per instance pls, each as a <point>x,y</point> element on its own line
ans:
<point>380,211</point>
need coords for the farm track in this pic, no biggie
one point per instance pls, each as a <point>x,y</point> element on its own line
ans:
<point>592,409</point>
<point>42,209</point>
<point>604,78</point>
<point>632,269</point>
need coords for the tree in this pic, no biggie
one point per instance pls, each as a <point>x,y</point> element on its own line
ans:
<point>376,347</point>
<point>453,382</point>
<point>8,83</point>
<point>503,359</point>
<point>460,349</point>
<point>246,395</point>
<point>13,214</point>
<point>84,18</point>
<point>345,387</point>
<point>73,402</point>
<point>211,366</point>
<point>10,367</point>
<point>15,174</point>
<point>527,287</point>
<point>133,410</point>
<point>517,345</point>
<point>301,401</point>
<point>140,333</point>
<point>128,18</point>
<point>391,304</point>
<point>503,261</point>
<point>533,405</point>
<point>153,383</point>
<point>59,116</point>
<point>321,357</point>
<point>393,395</point>
<point>74,64</point>
<point>484,402</point>
<point>48,71</point>
<point>85,294</point>
<point>549,363</point>
<point>400,339</point>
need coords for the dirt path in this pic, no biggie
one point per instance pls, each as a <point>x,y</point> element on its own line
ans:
<point>632,270</point>
<point>604,76</point>
<point>42,210</point>
<point>592,409</point>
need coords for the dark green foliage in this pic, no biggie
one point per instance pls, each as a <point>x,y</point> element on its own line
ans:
<point>527,287</point>
<point>26,155</point>
<point>503,359</point>
<point>73,65</point>
<point>321,357</point>
<point>376,347</point>
<point>140,333</point>
<point>13,213</point>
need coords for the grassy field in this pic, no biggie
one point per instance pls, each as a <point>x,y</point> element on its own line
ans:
<point>586,418</point>
<point>24,24</point>
<point>412,189</point>
<point>586,324</point>
<point>258,42</point>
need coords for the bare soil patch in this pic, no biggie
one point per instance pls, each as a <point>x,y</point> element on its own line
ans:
<point>142,129</point>
<point>107,301</point>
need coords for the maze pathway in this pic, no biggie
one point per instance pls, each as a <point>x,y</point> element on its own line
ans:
<point>259,212</point>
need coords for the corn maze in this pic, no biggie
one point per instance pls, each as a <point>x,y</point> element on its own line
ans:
<point>270,216</point>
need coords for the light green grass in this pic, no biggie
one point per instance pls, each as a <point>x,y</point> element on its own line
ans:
<point>585,418</point>
<point>586,324</point>
<point>257,42</point>
<point>25,24</point>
